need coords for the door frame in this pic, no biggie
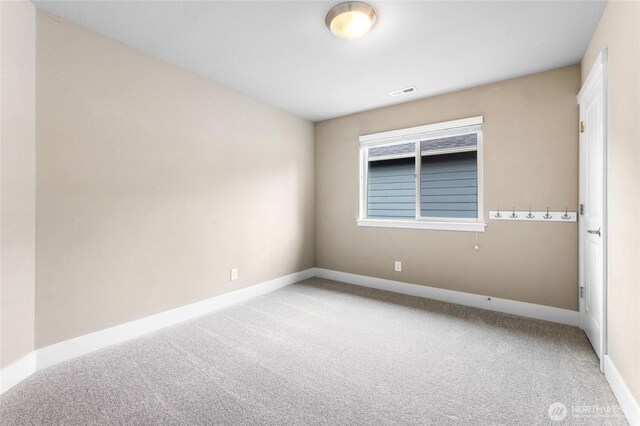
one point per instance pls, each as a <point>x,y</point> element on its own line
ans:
<point>598,70</point>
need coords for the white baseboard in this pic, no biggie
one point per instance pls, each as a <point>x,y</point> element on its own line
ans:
<point>88,343</point>
<point>530,310</point>
<point>17,371</point>
<point>626,400</point>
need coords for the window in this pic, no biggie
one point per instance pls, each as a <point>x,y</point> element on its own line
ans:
<point>423,177</point>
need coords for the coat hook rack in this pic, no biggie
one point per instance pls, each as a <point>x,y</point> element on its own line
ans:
<point>535,215</point>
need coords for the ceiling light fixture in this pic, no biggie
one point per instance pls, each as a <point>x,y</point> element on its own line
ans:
<point>350,20</point>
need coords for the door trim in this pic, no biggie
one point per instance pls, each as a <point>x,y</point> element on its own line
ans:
<point>598,70</point>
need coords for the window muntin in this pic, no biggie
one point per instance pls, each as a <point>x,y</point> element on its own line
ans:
<point>426,174</point>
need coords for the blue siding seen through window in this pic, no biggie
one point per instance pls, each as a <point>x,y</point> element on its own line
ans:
<point>449,185</point>
<point>392,189</point>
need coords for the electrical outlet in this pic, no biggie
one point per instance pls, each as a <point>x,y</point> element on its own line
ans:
<point>234,274</point>
<point>398,266</point>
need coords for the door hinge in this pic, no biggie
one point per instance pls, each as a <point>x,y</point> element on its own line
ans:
<point>581,292</point>
<point>582,127</point>
<point>581,209</point>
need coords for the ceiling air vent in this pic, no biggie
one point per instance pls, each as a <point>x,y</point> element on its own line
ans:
<point>404,91</point>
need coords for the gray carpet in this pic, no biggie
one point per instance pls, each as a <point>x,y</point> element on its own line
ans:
<point>321,352</point>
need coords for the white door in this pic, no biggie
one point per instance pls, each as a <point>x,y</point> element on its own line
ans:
<point>592,100</point>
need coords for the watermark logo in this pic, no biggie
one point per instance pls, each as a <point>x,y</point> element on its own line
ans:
<point>557,411</point>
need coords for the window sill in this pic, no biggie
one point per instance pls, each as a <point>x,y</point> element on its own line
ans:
<point>415,224</point>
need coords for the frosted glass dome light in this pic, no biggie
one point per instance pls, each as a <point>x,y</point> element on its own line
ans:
<point>350,20</point>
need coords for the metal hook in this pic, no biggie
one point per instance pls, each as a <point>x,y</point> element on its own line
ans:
<point>498,215</point>
<point>530,215</point>
<point>566,216</point>
<point>513,215</point>
<point>547,216</point>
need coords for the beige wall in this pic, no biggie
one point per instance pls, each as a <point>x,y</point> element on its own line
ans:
<point>530,159</point>
<point>619,32</point>
<point>153,182</point>
<point>17,152</point>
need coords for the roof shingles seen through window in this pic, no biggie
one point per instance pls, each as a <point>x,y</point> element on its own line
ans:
<point>407,149</point>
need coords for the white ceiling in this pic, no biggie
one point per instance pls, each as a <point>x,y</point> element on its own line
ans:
<point>282,53</point>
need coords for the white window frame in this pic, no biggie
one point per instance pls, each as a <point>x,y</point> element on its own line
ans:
<point>416,135</point>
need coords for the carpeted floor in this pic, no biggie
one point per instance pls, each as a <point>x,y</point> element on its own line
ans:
<point>321,352</point>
